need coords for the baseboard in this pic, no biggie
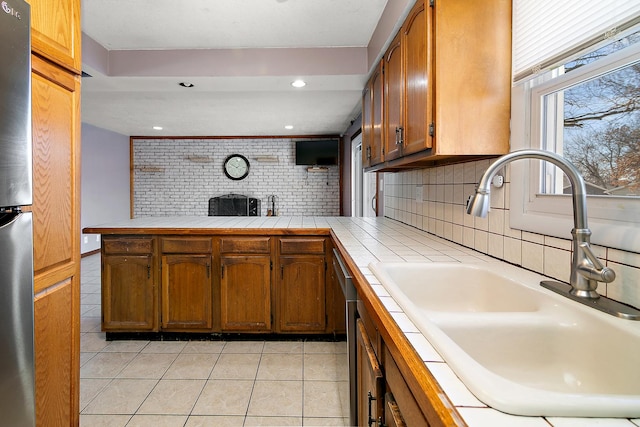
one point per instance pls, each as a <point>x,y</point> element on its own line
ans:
<point>93,252</point>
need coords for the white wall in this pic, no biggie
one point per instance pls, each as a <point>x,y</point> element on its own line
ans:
<point>441,211</point>
<point>105,195</point>
<point>167,182</point>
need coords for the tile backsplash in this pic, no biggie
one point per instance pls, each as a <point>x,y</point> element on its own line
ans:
<point>434,200</point>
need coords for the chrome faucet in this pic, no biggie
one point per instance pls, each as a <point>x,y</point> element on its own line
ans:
<point>586,269</point>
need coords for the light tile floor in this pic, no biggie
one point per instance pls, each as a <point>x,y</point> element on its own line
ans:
<point>204,383</point>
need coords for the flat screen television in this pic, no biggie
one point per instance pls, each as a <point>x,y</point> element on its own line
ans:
<point>317,153</point>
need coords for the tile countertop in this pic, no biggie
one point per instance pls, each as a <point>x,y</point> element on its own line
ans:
<point>383,240</point>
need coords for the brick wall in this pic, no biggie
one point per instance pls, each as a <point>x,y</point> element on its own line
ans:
<point>168,182</point>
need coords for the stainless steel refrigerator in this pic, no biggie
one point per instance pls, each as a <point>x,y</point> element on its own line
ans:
<point>17,389</point>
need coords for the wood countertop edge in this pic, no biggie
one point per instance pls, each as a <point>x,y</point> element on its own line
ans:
<point>190,231</point>
<point>432,399</point>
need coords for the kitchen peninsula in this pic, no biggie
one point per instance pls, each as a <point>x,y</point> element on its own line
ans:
<point>414,379</point>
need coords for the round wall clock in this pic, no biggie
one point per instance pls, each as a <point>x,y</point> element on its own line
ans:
<point>236,167</point>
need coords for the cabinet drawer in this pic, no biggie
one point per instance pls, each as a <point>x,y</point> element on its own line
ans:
<point>182,245</point>
<point>128,245</point>
<point>245,245</point>
<point>306,245</point>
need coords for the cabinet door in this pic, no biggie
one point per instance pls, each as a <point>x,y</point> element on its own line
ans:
<point>393,99</point>
<point>187,293</point>
<point>55,122</point>
<point>377,100</point>
<point>367,126</point>
<point>129,296</point>
<point>245,293</point>
<point>370,381</point>
<point>301,294</point>
<point>56,356</point>
<point>55,31</point>
<point>416,42</point>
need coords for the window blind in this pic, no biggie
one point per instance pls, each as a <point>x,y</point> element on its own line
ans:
<point>546,32</point>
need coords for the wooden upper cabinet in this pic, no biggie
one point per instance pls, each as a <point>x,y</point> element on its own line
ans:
<point>416,42</point>
<point>55,121</point>
<point>56,32</point>
<point>377,99</point>
<point>372,122</point>
<point>447,85</point>
<point>366,125</point>
<point>472,72</point>
<point>393,99</point>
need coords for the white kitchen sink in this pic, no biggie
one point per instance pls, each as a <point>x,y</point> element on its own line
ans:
<point>518,347</point>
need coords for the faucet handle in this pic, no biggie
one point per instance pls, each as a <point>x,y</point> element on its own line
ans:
<point>596,271</point>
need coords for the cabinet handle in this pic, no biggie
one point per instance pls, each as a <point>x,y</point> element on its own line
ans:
<point>400,136</point>
<point>148,271</point>
<point>282,272</point>
<point>222,274</point>
<point>208,270</point>
<point>370,399</point>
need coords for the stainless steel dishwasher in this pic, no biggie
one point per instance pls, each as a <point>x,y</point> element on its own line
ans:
<point>350,296</point>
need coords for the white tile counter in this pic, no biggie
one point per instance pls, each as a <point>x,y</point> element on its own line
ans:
<point>372,240</point>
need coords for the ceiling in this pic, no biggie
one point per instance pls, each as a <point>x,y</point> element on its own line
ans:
<point>241,57</point>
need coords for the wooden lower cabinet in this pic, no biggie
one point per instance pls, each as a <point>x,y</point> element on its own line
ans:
<point>401,407</point>
<point>211,284</point>
<point>301,294</point>
<point>245,293</point>
<point>384,398</point>
<point>370,380</point>
<point>129,290</point>
<point>56,355</point>
<point>187,292</point>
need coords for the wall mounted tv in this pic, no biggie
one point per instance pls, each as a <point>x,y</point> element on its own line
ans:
<point>317,153</point>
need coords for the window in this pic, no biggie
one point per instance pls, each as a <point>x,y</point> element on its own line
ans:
<point>587,110</point>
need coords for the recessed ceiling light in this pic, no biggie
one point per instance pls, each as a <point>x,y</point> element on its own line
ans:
<point>157,128</point>
<point>186,84</point>
<point>298,83</point>
<point>289,127</point>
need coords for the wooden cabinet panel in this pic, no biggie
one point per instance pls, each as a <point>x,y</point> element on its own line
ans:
<point>302,245</point>
<point>187,292</point>
<point>55,31</point>
<point>418,78</point>
<point>393,99</point>
<point>55,112</point>
<point>245,293</point>
<point>56,357</point>
<point>129,294</point>
<point>184,245</point>
<point>301,294</point>
<point>370,381</point>
<point>245,245</point>
<point>128,246</point>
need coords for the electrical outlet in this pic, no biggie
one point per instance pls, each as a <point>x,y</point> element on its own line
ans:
<point>86,239</point>
<point>97,237</point>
